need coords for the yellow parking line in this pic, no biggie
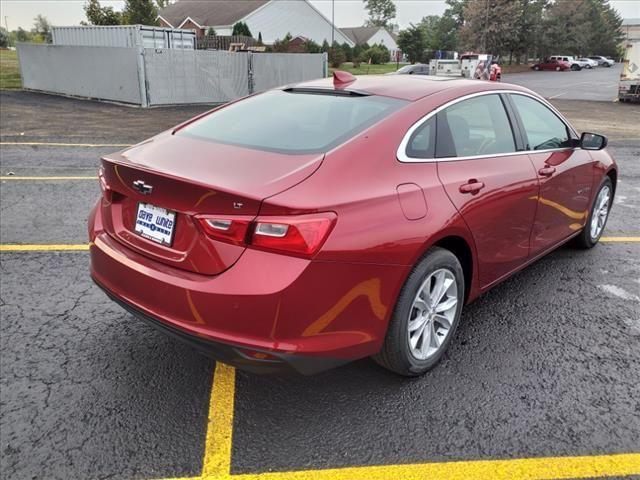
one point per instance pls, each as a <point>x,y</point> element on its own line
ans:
<point>84,247</point>
<point>60,144</point>
<point>219,441</point>
<point>45,248</point>
<point>518,469</point>
<point>45,179</point>
<point>620,239</point>
<point>217,456</point>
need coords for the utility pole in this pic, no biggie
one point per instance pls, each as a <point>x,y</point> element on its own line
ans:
<point>484,30</point>
<point>6,24</point>
<point>333,22</point>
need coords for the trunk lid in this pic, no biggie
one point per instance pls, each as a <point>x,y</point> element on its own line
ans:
<point>191,176</point>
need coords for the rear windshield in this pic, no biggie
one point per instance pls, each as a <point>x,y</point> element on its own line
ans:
<point>292,122</point>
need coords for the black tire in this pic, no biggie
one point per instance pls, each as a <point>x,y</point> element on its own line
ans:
<point>536,68</point>
<point>575,68</point>
<point>395,354</point>
<point>585,240</point>
<point>558,69</point>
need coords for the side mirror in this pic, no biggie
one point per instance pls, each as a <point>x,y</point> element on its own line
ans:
<point>593,141</point>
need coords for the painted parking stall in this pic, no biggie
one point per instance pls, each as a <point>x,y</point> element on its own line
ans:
<point>92,392</point>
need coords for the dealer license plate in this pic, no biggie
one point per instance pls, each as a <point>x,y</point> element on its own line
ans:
<point>155,223</point>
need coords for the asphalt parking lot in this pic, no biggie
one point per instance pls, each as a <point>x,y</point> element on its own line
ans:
<point>596,84</point>
<point>542,379</point>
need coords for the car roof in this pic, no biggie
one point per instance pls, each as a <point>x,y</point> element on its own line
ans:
<point>406,87</point>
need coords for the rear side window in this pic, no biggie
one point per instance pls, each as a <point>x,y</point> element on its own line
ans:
<point>478,126</point>
<point>292,122</point>
<point>422,141</point>
<point>543,129</point>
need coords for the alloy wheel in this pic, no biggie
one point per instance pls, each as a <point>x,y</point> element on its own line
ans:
<point>600,213</point>
<point>432,314</point>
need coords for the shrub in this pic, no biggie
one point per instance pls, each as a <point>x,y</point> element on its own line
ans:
<point>348,51</point>
<point>312,47</point>
<point>282,46</point>
<point>336,57</point>
<point>376,54</point>
<point>241,28</point>
<point>4,38</point>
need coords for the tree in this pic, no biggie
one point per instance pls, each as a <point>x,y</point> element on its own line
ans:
<point>42,28</point>
<point>99,15</point>
<point>336,56</point>
<point>140,12</point>
<point>413,42</point>
<point>260,42</point>
<point>22,35</point>
<point>455,10</point>
<point>312,47</point>
<point>605,34</point>
<point>4,38</point>
<point>241,28</point>
<point>211,32</point>
<point>490,25</point>
<point>348,51</point>
<point>282,46</point>
<point>162,4</point>
<point>381,12</point>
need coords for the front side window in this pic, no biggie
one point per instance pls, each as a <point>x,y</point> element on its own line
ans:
<point>477,126</point>
<point>543,129</point>
<point>292,122</point>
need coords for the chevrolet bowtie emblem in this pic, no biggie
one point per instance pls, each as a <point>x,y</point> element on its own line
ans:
<point>142,187</point>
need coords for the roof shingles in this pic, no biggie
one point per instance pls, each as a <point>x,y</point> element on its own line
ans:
<point>360,35</point>
<point>210,13</point>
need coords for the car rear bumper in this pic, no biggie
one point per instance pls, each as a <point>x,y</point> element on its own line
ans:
<point>271,363</point>
<point>268,312</point>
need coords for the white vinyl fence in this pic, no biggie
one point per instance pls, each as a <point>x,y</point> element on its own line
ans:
<point>106,73</point>
<point>151,76</point>
<point>195,76</point>
<point>275,69</point>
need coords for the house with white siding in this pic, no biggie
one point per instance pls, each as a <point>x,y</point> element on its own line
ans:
<point>271,18</point>
<point>373,36</point>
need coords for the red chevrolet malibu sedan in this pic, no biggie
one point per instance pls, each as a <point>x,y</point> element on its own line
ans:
<point>312,225</point>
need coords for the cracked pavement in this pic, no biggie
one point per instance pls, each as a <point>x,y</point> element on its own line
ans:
<point>546,364</point>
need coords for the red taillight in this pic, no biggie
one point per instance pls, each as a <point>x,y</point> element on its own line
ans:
<point>231,229</point>
<point>301,235</point>
<point>296,235</point>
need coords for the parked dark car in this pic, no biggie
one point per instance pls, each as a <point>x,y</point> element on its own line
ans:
<point>417,69</point>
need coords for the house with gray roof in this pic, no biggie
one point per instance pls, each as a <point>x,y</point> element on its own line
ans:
<point>373,36</point>
<point>272,18</point>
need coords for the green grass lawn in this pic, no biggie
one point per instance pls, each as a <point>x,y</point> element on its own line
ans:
<point>9,70</point>
<point>366,69</point>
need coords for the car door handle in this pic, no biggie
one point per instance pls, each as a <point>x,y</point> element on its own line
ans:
<point>472,186</point>
<point>547,171</point>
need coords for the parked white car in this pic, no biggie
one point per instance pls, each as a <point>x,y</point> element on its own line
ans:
<point>575,63</point>
<point>603,61</point>
<point>589,62</point>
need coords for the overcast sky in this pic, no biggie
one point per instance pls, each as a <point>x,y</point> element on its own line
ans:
<point>20,13</point>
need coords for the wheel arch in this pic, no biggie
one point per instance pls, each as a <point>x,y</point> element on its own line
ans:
<point>613,176</point>
<point>460,247</point>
